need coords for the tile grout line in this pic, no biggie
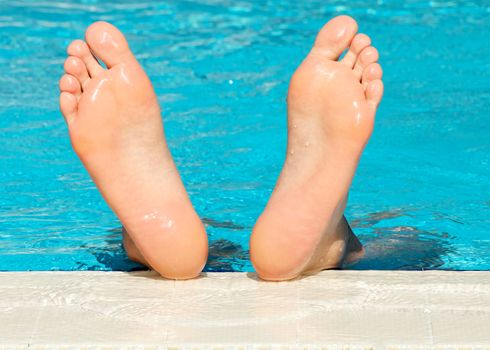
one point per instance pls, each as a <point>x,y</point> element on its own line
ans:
<point>35,327</point>
<point>172,297</point>
<point>298,313</point>
<point>428,312</point>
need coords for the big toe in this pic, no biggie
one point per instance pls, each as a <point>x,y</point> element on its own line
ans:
<point>108,43</point>
<point>336,36</point>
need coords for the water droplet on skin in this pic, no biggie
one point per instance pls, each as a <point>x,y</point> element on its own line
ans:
<point>295,126</point>
<point>124,76</point>
<point>307,144</point>
<point>168,224</point>
<point>291,152</point>
<point>155,217</point>
<point>152,215</point>
<point>98,88</point>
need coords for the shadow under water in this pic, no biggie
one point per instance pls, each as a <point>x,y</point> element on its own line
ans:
<point>398,247</point>
<point>113,256</point>
<point>224,255</point>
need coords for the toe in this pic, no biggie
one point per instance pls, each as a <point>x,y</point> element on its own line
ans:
<point>68,106</point>
<point>374,92</point>
<point>79,48</point>
<point>69,83</point>
<point>370,73</point>
<point>75,67</point>
<point>366,57</point>
<point>336,36</point>
<point>108,44</point>
<point>360,42</point>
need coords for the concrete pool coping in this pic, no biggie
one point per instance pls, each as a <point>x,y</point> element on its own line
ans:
<point>332,310</point>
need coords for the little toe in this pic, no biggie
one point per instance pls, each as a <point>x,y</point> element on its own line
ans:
<point>366,57</point>
<point>79,48</point>
<point>335,36</point>
<point>374,93</point>
<point>75,67</point>
<point>108,44</point>
<point>360,42</point>
<point>68,106</point>
<point>69,83</point>
<point>370,73</point>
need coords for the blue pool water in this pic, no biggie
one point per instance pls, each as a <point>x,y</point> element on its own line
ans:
<point>420,199</point>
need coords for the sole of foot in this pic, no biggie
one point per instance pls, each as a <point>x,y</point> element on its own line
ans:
<point>331,110</point>
<point>115,126</point>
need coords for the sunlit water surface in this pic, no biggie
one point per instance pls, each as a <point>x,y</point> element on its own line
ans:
<point>420,199</point>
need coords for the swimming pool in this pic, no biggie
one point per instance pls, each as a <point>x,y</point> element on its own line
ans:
<point>420,199</point>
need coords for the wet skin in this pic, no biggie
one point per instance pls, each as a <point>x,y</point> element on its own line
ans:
<point>331,110</point>
<point>115,127</point>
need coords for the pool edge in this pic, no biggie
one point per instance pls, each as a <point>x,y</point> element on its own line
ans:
<point>336,309</point>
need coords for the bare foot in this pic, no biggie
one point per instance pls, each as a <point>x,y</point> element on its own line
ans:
<point>331,110</point>
<point>116,129</point>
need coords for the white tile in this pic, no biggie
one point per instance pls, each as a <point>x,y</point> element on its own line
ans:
<point>460,328</point>
<point>365,326</point>
<point>17,324</point>
<point>71,325</point>
<point>271,333</point>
